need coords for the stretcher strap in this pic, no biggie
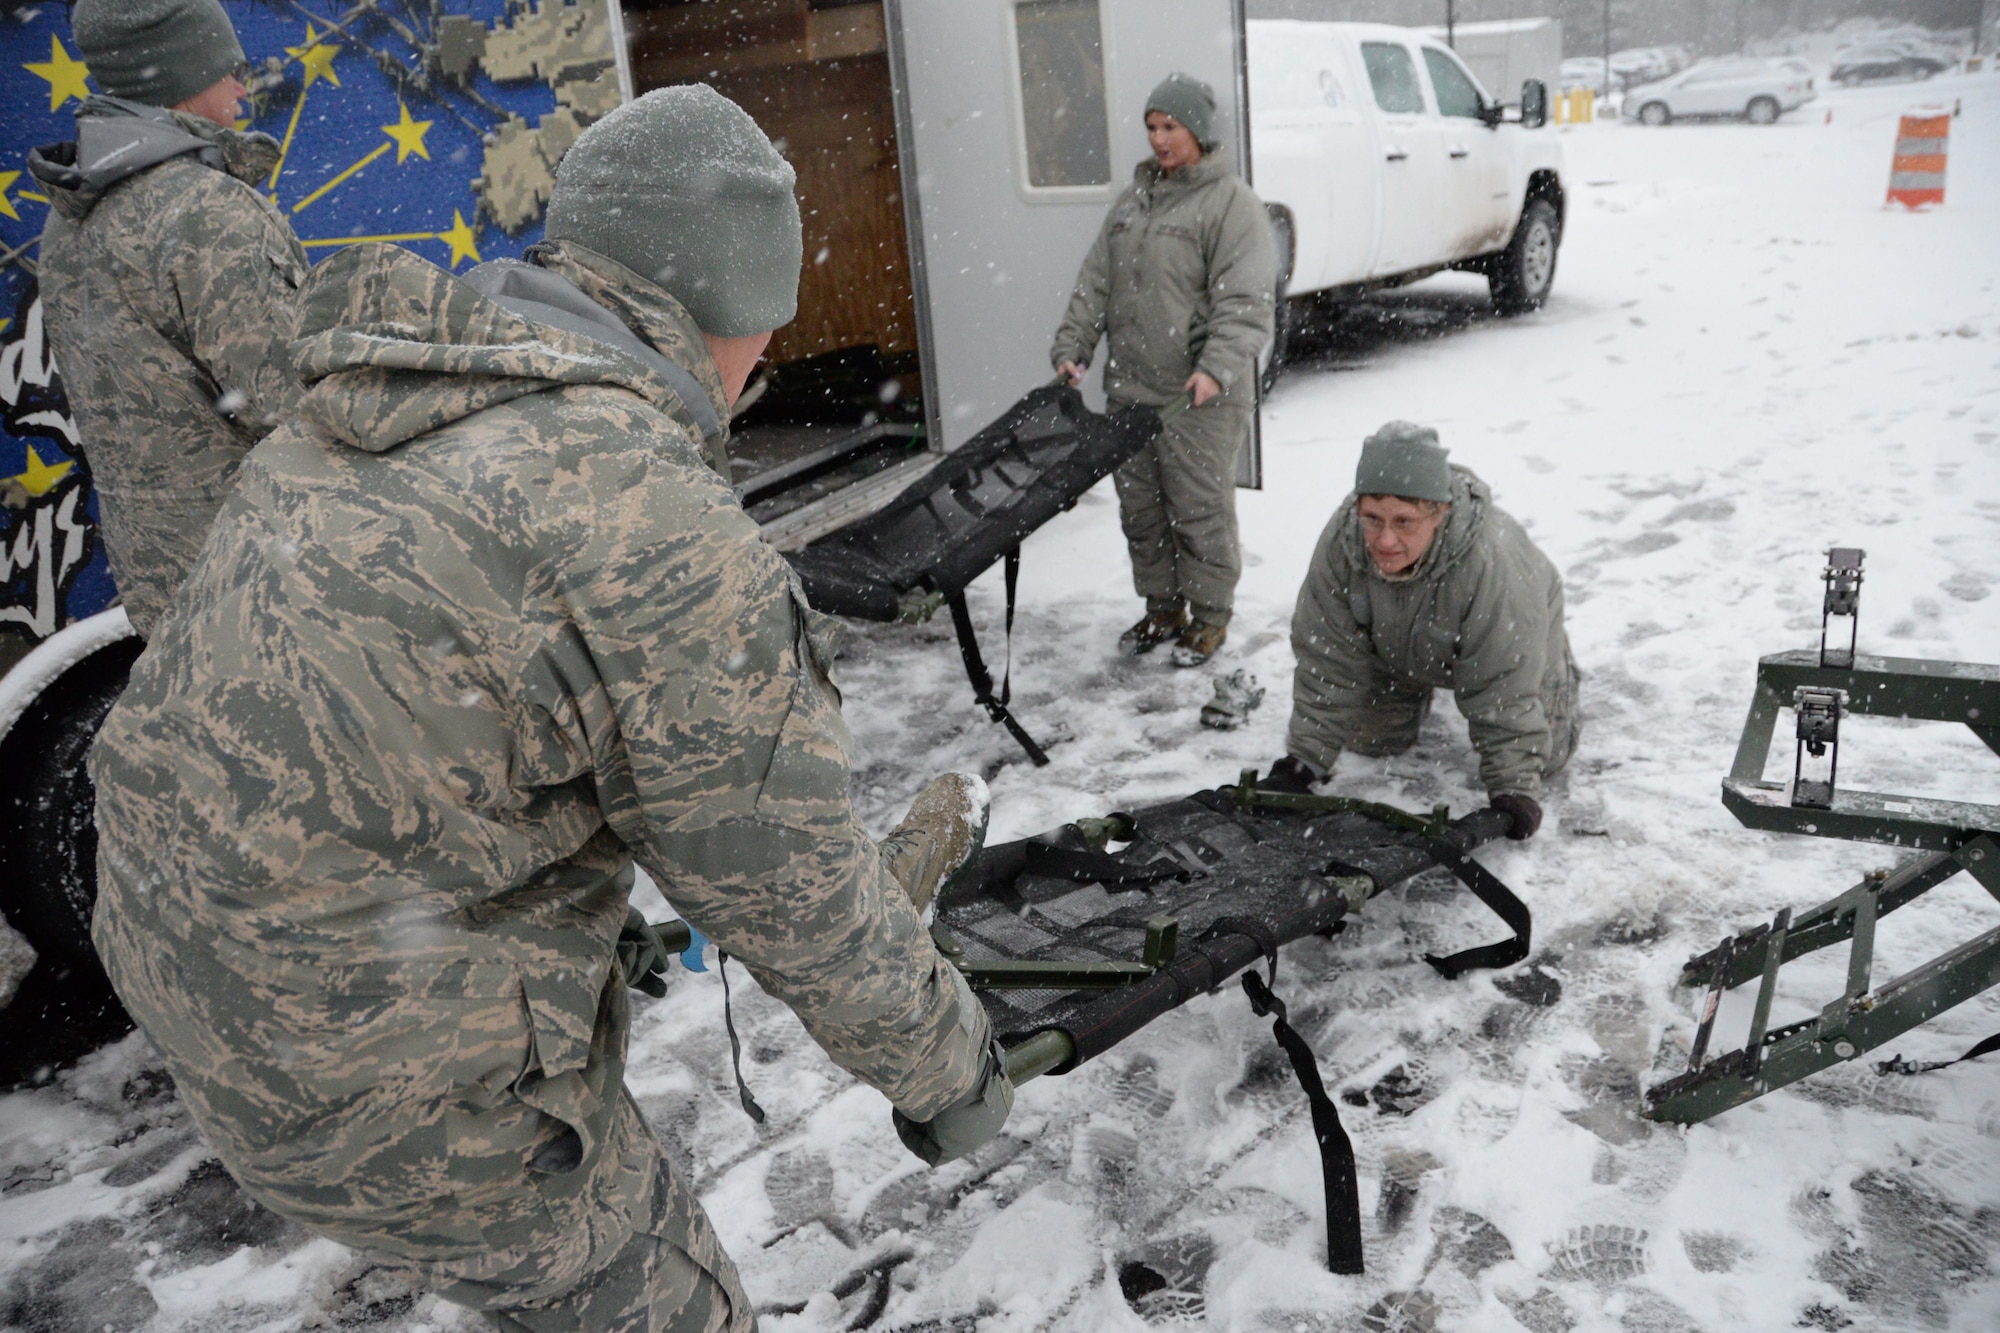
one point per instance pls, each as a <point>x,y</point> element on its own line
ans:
<point>1013,578</point>
<point>750,1107</point>
<point>1336,1152</point>
<point>1495,895</point>
<point>982,679</point>
<point>1896,1064</point>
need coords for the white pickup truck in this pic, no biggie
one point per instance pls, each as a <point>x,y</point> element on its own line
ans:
<point>1383,161</point>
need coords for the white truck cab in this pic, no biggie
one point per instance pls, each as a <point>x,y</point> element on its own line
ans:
<point>1385,161</point>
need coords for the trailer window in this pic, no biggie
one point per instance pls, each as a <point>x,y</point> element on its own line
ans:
<point>1456,93</point>
<point>1061,49</point>
<point>1394,76</point>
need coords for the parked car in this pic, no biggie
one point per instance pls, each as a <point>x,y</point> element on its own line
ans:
<point>1644,64</point>
<point>1887,62</point>
<point>1757,90</point>
<point>1383,161</point>
<point>1587,72</point>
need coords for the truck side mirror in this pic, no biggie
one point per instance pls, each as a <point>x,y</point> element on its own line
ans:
<point>1534,104</point>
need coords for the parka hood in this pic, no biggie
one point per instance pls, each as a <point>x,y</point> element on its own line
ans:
<point>392,347</point>
<point>1470,499</point>
<point>117,139</point>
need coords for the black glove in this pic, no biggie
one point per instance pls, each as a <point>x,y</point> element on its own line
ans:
<point>967,1125</point>
<point>1290,774</point>
<point>1524,810</point>
<point>642,956</point>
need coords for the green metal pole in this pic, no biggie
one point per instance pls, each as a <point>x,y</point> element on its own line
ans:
<point>1038,1054</point>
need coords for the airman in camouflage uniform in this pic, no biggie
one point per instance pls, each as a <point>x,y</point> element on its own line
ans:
<point>167,283</point>
<point>478,630</point>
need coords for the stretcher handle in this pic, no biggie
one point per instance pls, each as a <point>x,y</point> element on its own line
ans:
<point>1167,411</point>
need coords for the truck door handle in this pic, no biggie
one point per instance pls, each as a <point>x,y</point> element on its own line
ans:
<point>1458,151</point>
<point>1396,154</point>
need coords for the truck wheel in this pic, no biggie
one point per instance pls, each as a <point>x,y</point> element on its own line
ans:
<point>1655,114</point>
<point>1281,310</point>
<point>1522,274</point>
<point>1761,111</point>
<point>48,852</point>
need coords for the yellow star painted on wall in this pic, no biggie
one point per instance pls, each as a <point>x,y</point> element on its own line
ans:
<point>460,239</point>
<point>315,58</point>
<point>64,73</point>
<point>409,135</point>
<point>7,179</point>
<point>40,478</point>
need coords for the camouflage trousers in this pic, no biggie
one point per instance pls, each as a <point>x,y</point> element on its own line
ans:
<point>433,1118</point>
<point>1177,505</point>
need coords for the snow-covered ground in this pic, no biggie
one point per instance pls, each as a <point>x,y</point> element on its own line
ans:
<point>1746,360</point>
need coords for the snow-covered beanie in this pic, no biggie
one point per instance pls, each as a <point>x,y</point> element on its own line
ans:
<point>1191,102</point>
<point>1405,460</point>
<point>160,52</point>
<point>683,188</point>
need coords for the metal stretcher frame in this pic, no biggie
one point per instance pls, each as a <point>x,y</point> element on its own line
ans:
<point>1823,688</point>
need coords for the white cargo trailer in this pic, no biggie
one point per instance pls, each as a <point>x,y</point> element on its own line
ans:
<point>955,160</point>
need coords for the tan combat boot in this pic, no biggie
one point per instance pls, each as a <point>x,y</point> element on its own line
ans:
<point>1152,631</point>
<point>1198,643</point>
<point>944,830</point>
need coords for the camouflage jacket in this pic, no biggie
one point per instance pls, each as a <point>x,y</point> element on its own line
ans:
<point>1181,278</point>
<point>168,284</point>
<point>475,630</point>
<point>1481,615</point>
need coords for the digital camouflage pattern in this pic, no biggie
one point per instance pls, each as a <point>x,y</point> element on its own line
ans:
<point>168,295</point>
<point>478,628</point>
<point>1481,615</point>
<point>1181,278</point>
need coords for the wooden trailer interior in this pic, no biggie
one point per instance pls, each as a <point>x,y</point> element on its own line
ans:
<point>838,424</point>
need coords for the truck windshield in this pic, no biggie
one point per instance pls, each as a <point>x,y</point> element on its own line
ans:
<point>1394,76</point>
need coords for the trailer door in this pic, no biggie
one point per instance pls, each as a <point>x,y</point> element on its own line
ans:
<point>1021,121</point>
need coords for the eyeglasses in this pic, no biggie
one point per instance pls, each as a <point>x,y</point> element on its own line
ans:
<point>1403,525</point>
<point>241,72</point>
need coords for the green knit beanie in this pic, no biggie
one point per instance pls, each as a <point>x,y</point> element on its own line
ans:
<point>683,188</point>
<point>160,52</point>
<point>1405,460</point>
<point>1191,102</point>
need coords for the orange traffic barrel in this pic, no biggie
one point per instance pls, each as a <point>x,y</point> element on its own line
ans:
<point>1917,177</point>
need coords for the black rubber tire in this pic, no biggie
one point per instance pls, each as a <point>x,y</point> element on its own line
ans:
<point>1520,276</point>
<point>48,856</point>
<point>1656,114</point>
<point>1763,111</point>
<point>1282,315</point>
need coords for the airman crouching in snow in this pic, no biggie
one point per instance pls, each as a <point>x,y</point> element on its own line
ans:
<point>478,630</point>
<point>1421,582</point>
<point>167,281</point>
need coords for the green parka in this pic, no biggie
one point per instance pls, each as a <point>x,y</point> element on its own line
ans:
<point>1181,278</point>
<point>1481,615</point>
<point>475,632</point>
